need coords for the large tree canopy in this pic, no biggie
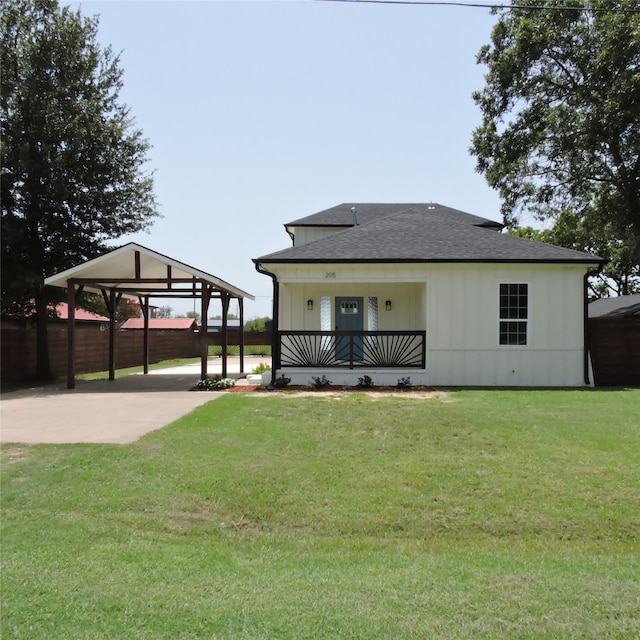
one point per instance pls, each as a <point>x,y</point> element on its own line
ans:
<point>73,163</point>
<point>560,132</point>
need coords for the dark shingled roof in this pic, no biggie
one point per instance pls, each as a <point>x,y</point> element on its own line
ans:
<point>416,233</point>
<point>620,306</point>
<point>342,215</point>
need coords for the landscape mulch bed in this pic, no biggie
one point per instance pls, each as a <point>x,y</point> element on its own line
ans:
<point>298,390</point>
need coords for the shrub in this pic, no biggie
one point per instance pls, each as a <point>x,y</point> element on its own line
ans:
<point>217,383</point>
<point>261,368</point>
<point>319,383</point>
<point>365,382</point>
<point>281,382</point>
<point>259,324</point>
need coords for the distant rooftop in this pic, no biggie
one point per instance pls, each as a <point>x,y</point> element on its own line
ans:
<point>618,306</point>
<point>216,325</point>
<point>62,311</point>
<point>168,324</point>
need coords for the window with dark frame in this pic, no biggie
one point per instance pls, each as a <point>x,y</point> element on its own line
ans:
<point>514,314</point>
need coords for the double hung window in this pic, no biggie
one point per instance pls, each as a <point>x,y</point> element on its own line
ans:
<point>514,314</point>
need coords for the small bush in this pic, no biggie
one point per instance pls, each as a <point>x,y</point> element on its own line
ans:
<point>319,383</point>
<point>281,382</point>
<point>261,368</point>
<point>404,382</point>
<point>217,383</point>
<point>365,382</point>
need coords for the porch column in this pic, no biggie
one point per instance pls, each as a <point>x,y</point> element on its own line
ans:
<point>275,328</point>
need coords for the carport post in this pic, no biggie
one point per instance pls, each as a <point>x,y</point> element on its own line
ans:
<point>241,336</point>
<point>71,335</point>
<point>204,338</point>
<point>112,334</point>
<point>144,306</point>
<point>224,298</point>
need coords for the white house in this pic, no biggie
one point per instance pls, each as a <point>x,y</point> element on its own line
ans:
<point>426,292</point>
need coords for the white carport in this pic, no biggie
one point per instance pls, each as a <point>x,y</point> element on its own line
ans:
<point>133,271</point>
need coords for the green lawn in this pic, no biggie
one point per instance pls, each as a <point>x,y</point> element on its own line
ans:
<point>127,371</point>
<point>483,514</point>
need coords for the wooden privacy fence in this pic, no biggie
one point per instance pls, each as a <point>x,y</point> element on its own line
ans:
<point>614,345</point>
<point>92,349</point>
<point>18,348</point>
<point>251,338</point>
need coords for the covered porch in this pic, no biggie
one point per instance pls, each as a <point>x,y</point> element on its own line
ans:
<point>348,330</point>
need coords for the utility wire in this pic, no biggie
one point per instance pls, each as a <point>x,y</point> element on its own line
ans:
<point>498,7</point>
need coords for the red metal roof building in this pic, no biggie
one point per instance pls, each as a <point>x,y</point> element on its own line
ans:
<point>166,324</point>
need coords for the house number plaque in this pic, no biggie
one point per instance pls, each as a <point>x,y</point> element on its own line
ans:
<point>329,274</point>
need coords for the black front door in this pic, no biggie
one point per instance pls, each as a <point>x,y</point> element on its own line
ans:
<point>349,317</point>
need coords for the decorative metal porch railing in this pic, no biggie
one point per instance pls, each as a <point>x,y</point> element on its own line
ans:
<point>401,349</point>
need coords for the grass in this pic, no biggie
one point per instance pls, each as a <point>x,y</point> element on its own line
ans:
<point>234,350</point>
<point>164,364</point>
<point>127,371</point>
<point>484,514</point>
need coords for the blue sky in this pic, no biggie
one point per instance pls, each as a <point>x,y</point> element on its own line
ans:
<point>262,112</point>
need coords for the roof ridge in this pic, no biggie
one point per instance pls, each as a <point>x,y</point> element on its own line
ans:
<point>341,215</point>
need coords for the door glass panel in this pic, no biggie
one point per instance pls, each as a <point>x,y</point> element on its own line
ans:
<point>349,307</point>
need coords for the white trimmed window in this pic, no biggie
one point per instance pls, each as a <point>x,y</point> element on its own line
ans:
<point>514,314</point>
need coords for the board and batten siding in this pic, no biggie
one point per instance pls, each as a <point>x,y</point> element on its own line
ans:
<point>302,235</point>
<point>407,300</point>
<point>463,326</point>
<point>458,305</point>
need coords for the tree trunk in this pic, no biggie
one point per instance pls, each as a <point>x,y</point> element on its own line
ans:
<point>43,366</point>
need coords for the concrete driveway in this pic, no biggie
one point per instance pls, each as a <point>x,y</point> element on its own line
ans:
<point>118,411</point>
